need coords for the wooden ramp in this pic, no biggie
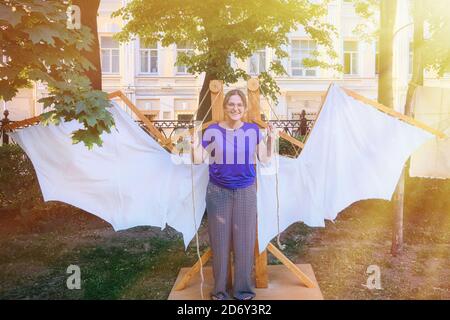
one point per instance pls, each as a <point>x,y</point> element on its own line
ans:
<point>283,285</point>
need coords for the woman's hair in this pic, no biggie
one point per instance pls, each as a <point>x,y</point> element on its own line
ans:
<point>234,92</point>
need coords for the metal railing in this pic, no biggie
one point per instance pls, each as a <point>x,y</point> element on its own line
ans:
<point>295,128</point>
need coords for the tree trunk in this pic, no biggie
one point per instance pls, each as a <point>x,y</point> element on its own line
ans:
<point>416,80</point>
<point>388,10</point>
<point>418,64</point>
<point>203,112</point>
<point>205,104</point>
<point>89,9</point>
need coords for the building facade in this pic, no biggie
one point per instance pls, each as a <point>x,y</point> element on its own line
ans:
<point>147,75</point>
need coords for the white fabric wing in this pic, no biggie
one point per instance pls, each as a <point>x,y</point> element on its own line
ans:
<point>432,160</point>
<point>129,181</point>
<point>354,152</point>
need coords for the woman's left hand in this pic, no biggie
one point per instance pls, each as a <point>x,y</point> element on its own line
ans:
<point>271,131</point>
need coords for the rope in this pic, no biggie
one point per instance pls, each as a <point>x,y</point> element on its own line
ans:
<point>277,189</point>
<point>196,111</point>
<point>276,116</point>
<point>280,245</point>
<point>197,242</point>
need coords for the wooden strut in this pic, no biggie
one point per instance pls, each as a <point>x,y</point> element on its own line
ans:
<point>159,137</point>
<point>395,114</point>
<point>22,123</point>
<point>116,94</point>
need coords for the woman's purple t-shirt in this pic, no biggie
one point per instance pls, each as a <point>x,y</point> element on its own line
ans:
<point>232,154</point>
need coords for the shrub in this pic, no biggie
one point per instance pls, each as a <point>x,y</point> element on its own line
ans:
<point>19,187</point>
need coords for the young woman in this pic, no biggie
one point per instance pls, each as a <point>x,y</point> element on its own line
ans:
<point>231,147</point>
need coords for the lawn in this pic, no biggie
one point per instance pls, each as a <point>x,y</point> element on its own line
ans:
<point>37,246</point>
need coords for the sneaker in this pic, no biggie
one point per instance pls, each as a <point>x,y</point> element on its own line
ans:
<point>245,297</point>
<point>219,296</point>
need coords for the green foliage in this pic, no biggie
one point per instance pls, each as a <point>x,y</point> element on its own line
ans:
<point>286,148</point>
<point>74,99</point>
<point>437,46</point>
<point>436,51</point>
<point>369,10</point>
<point>36,45</point>
<point>18,183</point>
<point>366,8</point>
<point>218,29</point>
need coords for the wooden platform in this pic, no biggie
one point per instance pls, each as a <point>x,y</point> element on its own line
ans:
<point>283,285</point>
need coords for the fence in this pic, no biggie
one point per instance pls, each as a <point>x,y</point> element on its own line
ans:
<point>294,128</point>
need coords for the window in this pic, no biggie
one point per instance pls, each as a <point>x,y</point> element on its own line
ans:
<point>148,58</point>
<point>4,60</point>
<point>377,58</point>
<point>167,115</point>
<point>351,57</point>
<point>147,105</point>
<point>302,49</point>
<point>109,55</point>
<point>257,62</point>
<point>231,61</point>
<point>152,116</point>
<point>185,48</point>
<point>184,117</point>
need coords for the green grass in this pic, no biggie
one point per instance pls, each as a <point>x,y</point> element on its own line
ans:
<point>119,269</point>
<point>143,263</point>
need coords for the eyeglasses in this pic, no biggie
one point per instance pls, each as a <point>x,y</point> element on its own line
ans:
<point>232,106</point>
